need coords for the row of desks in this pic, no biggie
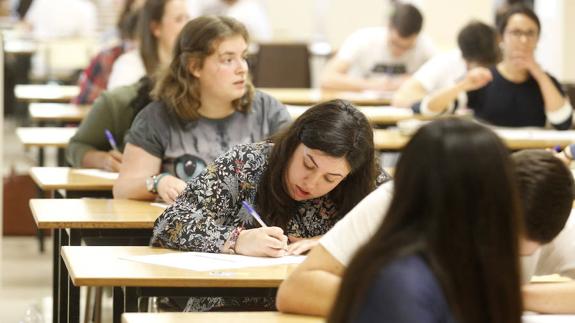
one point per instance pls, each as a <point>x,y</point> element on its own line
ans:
<point>62,112</point>
<point>71,219</point>
<point>390,139</point>
<point>296,96</point>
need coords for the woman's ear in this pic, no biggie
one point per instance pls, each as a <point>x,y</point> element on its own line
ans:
<point>194,68</point>
<point>155,29</point>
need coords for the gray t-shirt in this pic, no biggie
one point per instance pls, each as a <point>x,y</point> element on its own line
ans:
<point>186,147</point>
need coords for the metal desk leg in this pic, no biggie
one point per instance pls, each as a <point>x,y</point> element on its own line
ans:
<point>63,293</point>
<point>55,274</point>
<point>131,295</point>
<point>73,291</point>
<point>118,304</point>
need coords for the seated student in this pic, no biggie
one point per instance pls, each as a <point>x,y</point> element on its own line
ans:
<point>447,250</point>
<point>380,58</point>
<point>113,111</point>
<point>159,24</point>
<point>205,106</point>
<point>477,44</point>
<point>302,183</point>
<point>95,77</point>
<point>516,92</point>
<point>545,187</point>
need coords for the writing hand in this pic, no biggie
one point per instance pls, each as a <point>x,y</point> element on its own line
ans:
<point>262,242</point>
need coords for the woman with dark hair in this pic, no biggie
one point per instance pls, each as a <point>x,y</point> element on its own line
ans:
<point>301,182</point>
<point>447,250</point>
<point>205,105</point>
<point>516,92</point>
<point>159,24</point>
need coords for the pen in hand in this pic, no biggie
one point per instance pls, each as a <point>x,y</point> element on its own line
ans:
<point>253,213</point>
<point>111,139</point>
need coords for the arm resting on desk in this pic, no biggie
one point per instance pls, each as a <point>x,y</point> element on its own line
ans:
<point>551,298</point>
<point>313,286</point>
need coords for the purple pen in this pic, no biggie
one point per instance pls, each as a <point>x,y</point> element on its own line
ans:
<point>253,213</point>
<point>111,139</point>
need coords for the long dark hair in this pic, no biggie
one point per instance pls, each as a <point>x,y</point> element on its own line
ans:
<point>179,88</point>
<point>151,12</point>
<point>455,202</point>
<point>336,128</point>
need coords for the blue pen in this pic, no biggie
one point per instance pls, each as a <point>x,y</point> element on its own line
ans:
<point>253,213</point>
<point>111,140</point>
<point>557,149</point>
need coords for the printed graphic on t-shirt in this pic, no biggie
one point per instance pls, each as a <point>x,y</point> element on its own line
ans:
<point>390,69</point>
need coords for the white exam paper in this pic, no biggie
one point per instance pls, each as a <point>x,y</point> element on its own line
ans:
<point>202,261</point>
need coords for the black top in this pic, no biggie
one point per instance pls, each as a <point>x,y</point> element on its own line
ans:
<point>405,291</point>
<point>504,103</point>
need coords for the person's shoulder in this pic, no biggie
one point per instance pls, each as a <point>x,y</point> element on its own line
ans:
<point>412,273</point>
<point>377,32</point>
<point>262,100</point>
<point>252,149</point>
<point>155,111</point>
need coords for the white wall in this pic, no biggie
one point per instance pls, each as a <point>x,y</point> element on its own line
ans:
<point>298,19</point>
<point>556,47</point>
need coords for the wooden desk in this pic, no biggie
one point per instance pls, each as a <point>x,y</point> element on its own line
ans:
<point>71,179</point>
<point>302,96</point>
<point>100,218</point>
<point>57,112</point>
<point>45,136</point>
<point>376,115</point>
<point>46,93</point>
<point>94,213</point>
<point>104,266</point>
<point>236,317</point>
<point>515,139</point>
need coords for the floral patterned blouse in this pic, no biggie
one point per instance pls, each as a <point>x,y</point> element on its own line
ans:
<point>210,208</point>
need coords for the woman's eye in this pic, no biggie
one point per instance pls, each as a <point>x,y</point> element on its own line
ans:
<point>329,180</point>
<point>307,166</point>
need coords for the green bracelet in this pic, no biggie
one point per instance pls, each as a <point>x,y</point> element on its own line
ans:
<point>157,179</point>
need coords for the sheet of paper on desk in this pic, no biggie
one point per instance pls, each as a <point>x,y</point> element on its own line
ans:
<point>538,318</point>
<point>201,261</point>
<point>97,173</point>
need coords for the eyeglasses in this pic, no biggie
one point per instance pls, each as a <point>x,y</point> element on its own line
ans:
<point>530,35</point>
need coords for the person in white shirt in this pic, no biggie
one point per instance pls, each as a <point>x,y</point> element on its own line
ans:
<point>249,12</point>
<point>546,189</point>
<point>159,24</point>
<point>477,46</point>
<point>380,58</point>
<point>50,19</point>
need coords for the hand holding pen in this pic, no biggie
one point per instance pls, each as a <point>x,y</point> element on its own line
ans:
<point>264,241</point>
<point>113,158</point>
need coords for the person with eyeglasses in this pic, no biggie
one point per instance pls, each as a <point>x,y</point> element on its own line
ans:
<point>204,105</point>
<point>380,58</point>
<point>517,92</point>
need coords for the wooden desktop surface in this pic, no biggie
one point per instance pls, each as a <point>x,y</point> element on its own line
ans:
<point>46,93</point>
<point>56,178</point>
<point>94,213</point>
<point>63,112</point>
<point>392,139</point>
<point>236,317</point>
<point>304,96</point>
<point>57,112</point>
<point>45,136</point>
<point>104,266</point>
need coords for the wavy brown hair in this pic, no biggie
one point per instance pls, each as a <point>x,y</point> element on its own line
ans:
<point>177,86</point>
<point>336,128</point>
<point>456,203</point>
